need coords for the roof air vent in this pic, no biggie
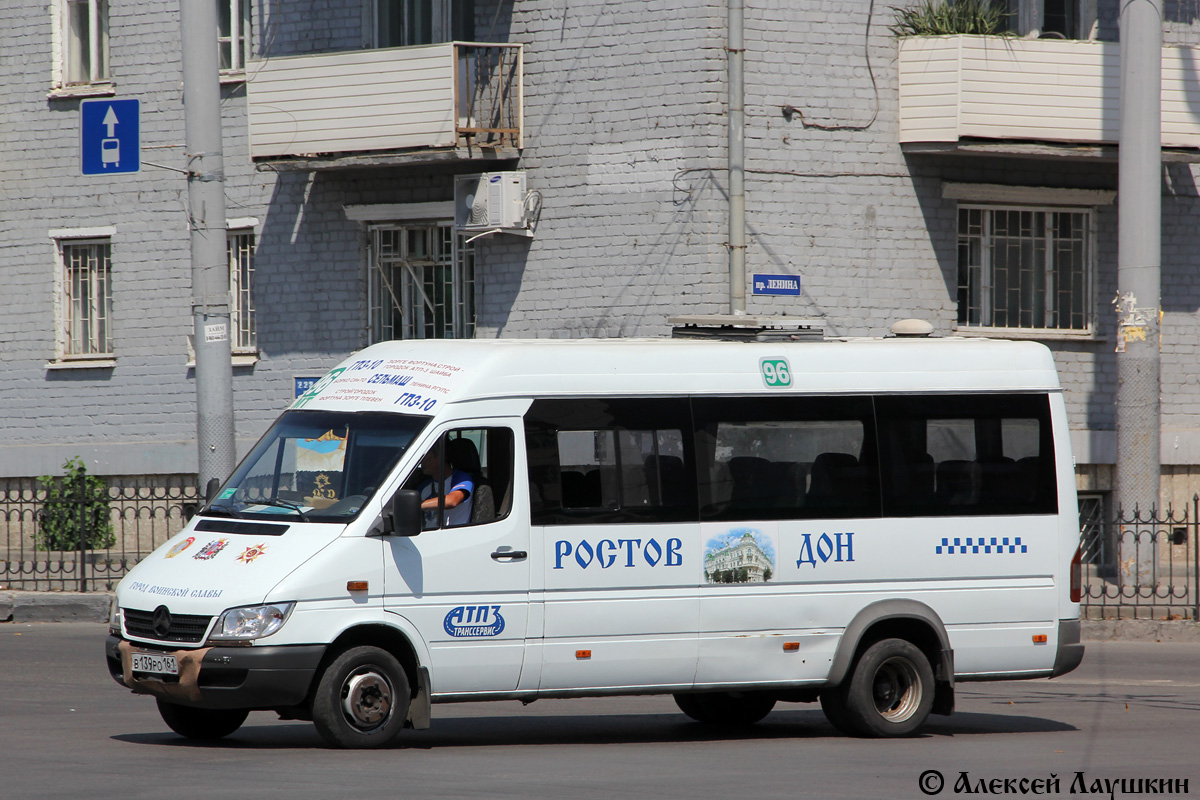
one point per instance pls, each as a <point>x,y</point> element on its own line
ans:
<point>912,329</point>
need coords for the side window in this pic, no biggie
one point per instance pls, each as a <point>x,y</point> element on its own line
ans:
<point>964,455</point>
<point>601,461</point>
<point>81,42</point>
<point>786,458</point>
<point>421,282</point>
<point>85,299</point>
<point>233,35</point>
<point>466,478</point>
<point>240,251</point>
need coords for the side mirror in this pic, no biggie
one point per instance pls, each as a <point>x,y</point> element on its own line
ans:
<point>210,491</point>
<point>402,516</point>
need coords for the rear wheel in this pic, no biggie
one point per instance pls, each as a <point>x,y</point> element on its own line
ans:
<point>890,692</point>
<point>201,723</point>
<point>726,708</point>
<point>833,703</point>
<point>362,699</point>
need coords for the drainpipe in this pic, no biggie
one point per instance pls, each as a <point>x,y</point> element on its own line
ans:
<point>1139,261</point>
<point>737,160</point>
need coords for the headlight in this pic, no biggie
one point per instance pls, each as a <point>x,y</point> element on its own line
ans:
<point>114,618</point>
<point>251,622</point>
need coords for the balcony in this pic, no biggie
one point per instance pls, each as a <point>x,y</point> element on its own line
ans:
<point>993,94</point>
<point>405,105</point>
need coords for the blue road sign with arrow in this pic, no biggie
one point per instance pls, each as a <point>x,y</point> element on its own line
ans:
<point>109,136</point>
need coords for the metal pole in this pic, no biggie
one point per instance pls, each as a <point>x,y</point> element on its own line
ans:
<point>1138,269</point>
<point>206,220</point>
<point>81,500</point>
<point>1195,581</point>
<point>737,160</point>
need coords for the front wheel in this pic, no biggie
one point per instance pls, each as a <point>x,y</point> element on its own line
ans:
<point>726,708</point>
<point>201,723</point>
<point>362,699</point>
<point>889,694</point>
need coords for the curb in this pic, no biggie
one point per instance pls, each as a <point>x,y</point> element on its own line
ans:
<point>54,606</point>
<point>1140,630</point>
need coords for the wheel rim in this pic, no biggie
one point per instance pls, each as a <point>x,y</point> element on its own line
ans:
<point>896,690</point>
<point>367,699</point>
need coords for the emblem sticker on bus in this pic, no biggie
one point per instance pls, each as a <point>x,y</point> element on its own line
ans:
<point>472,621</point>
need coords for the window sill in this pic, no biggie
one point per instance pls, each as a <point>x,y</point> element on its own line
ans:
<point>248,359</point>
<point>233,76</point>
<point>103,362</point>
<point>1043,335</point>
<point>98,89</point>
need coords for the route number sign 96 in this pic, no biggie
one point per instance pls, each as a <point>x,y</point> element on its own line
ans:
<point>776,373</point>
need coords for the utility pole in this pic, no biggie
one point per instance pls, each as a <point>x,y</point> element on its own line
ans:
<point>737,159</point>
<point>1139,262</point>
<point>206,222</point>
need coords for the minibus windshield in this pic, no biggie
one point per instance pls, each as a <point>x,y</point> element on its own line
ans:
<point>316,466</point>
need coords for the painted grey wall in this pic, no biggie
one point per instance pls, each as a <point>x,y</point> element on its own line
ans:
<point>625,145</point>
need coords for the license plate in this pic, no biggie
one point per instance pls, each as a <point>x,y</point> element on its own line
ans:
<point>158,665</point>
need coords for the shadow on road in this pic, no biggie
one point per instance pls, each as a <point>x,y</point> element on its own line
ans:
<point>500,731</point>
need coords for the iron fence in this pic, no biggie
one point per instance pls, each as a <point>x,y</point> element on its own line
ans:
<point>36,529</point>
<point>1141,565</point>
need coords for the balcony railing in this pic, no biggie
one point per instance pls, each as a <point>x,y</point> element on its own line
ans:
<point>1042,90</point>
<point>439,96</point>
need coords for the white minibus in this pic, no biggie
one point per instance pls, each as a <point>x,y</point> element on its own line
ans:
<point>860,523</point>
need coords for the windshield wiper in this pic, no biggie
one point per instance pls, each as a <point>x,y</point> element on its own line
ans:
<point>274,501</point>
<point>222,510</point>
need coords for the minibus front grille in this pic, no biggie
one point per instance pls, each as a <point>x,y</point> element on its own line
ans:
<point>184,628</point>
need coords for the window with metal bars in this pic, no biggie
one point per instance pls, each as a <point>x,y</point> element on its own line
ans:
<point>1094,529</point>
<point>241,278</point>
<point>1024,268</point>
<point>422,283</point>
<point>86,307</point>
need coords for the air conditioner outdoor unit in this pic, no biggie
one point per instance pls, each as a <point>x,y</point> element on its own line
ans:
<point>491,202</point>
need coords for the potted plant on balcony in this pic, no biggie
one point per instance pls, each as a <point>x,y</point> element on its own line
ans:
<point>942,18</point>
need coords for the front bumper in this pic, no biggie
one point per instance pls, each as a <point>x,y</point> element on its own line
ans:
<point>222,677</point>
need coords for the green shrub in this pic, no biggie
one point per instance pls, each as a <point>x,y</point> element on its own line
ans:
<point>71,501</point>
<point>943,17</point>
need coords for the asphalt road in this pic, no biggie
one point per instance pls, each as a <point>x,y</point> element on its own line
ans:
<point>68,731</point>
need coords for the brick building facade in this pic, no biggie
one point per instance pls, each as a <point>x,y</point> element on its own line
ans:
<point>624,152</point>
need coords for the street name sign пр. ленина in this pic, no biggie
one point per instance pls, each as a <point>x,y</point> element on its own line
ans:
<point>777,284</point>
<point>109,136</point>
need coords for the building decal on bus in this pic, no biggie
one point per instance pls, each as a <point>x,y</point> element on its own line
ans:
<point>467,622</point>
<point>740,556</point>
<point>619,552</point>
<point>980,544</point>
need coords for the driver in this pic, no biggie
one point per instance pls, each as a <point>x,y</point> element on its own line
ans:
<point>456,485</point>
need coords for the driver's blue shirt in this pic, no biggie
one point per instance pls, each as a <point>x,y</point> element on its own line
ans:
<point>457,480</point>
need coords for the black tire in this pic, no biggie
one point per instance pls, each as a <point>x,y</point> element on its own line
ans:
<point>833,703</point>
<point>362,699</point>
<point>735,709</point>
<point>890,692</point>
<point>201,723</point>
